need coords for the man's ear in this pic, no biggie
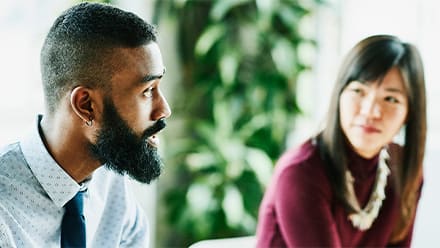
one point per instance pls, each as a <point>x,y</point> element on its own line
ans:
<point>81,102</point>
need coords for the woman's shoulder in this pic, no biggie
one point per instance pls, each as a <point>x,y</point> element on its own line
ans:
<point>304,157</point>
<point>299,169</point>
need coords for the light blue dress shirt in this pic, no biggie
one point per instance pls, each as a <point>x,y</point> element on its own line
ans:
<point>34,189</point>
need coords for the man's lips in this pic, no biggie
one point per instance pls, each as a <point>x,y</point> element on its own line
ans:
<point>151,132</point>
<point>153,140</point>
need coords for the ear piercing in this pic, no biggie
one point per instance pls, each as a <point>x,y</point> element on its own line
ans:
<point>89,122</point>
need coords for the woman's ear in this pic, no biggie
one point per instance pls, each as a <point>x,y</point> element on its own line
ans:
<point>81,103</point>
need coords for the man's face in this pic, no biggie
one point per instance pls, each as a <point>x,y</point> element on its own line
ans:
<point>133,113</point>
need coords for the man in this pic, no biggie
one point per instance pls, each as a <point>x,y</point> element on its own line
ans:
<point>101,69</point>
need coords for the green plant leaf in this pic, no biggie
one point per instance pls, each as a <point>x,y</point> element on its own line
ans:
<point>284,57</point>
<point>199,198</point>
<point>228,66</point>
<point>267,7</point>
<point>221,7</point>
<point>180,3</point>
<point>232,151</point>
<point>260,164</point>
<point>222,117</point>
<point>289,16</point>
<point>208,38</point>
<point>256,123</point>
<point>233,206</point>
<point>201,160</point>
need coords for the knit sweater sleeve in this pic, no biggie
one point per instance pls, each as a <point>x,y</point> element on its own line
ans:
<point>303,206</point>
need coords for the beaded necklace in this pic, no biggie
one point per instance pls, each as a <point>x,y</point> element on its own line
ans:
<point>362,219</point>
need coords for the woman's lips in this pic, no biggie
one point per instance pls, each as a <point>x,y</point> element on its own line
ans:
<point>369,129</point>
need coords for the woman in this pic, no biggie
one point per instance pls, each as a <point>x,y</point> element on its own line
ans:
<point>350,185</point>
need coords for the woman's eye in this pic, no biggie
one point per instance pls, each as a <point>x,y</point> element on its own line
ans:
<point>391,99</point>
<point>356,90</point>
<point>149,92</point>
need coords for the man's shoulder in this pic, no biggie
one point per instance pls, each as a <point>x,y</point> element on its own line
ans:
<point>9,149</point>
<point>16,177</point>
<point>11,159</point>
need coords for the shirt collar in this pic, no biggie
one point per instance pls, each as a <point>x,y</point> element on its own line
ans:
<point>59,186</point>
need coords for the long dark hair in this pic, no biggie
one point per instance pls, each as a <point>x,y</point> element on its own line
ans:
<point>367,61</point>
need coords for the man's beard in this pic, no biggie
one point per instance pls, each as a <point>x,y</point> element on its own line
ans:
<point>121,150</point>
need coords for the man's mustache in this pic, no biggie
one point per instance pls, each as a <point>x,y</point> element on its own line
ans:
<point>157,126</point>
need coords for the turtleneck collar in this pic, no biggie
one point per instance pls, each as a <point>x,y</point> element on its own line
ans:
<point>360,167</point>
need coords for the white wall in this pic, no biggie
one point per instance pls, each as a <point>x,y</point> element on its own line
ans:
<point>22,29</point>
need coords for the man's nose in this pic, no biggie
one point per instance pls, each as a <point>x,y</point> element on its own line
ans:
<point>161,109</point>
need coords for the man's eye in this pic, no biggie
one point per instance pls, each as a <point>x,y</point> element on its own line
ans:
<point>149,92</point>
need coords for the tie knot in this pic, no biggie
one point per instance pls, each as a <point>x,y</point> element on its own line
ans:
<point>76,204</point>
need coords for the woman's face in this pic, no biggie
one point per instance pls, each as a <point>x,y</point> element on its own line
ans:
<point>372,114</point>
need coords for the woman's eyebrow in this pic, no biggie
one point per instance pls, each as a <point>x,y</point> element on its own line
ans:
<point>394,90</point>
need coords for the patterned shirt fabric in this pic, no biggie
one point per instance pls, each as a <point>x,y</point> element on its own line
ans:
<point>34,189</point>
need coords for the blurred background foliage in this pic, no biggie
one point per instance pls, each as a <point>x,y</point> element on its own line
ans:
<point>240,61</point>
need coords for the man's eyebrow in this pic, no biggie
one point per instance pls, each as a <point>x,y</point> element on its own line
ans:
<point>149,78</point>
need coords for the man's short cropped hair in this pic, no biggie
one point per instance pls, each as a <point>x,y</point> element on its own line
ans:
<point>79,48</point>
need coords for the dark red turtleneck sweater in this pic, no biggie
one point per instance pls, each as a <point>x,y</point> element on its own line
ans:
<point>299,208</point>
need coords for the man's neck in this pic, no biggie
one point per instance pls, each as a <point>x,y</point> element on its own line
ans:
<point>66,142</point>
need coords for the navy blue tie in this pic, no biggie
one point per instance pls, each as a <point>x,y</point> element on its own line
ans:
<point>73,227</point>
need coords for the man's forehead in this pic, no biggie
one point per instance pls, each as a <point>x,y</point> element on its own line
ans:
<point>143,61</point>
<point>153,57</point>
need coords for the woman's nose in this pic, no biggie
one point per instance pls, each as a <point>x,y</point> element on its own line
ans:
<point>371,107</point>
